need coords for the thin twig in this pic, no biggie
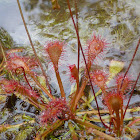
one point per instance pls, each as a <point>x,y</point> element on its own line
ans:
<point>85,63</point>
<point>76,8</point>
<point>38,83</point>
<point>44,74</point>
<point>130,63</point>
<point>131,95</point>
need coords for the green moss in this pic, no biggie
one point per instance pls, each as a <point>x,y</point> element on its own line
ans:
<point>6,39</point>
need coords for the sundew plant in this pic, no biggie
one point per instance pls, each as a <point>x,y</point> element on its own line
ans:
<point>98,103</point>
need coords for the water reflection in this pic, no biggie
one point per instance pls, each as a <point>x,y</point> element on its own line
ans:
<point>116,20</point>
<point>119,20</point>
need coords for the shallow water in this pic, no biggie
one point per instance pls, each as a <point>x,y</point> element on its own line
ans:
<point>118,21</point>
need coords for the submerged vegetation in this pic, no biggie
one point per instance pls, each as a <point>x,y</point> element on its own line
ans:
<point>78,115</point>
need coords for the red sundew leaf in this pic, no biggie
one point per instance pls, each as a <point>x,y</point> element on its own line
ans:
<point>27,92</point>
<point>14,62</point>
<point>54,50</point>
<point>96,45</point>
<point>127,83</point>
<point>12,86</point>
<point>9,86</point>
<point>55,109</point>
<point>99,78</point>
<point>113,100</point>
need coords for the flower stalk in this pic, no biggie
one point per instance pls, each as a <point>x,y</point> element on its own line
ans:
<point>44,74</point>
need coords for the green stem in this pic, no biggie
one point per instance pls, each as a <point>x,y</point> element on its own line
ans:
<point>95,129</point>
<point>49,130</point>
<point>73,133</point>
<point>37,82</point>
<point>88,124</point>
<point>7,126</point>
<point>102,135</point>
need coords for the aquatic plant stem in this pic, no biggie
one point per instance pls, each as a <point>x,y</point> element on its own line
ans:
<point>131,94</point>
<point>4,127</point>
<point>88,124</point>
<point>106,111</point>
<point>44,74</point>
<point>78,63</point>
<point>133,122</point>
<point>121,122</point>
<point>59,81</point>
<point>118,123</point>
<point>85,62</point>
<point>49,130</point>
<point>102,135</point>
<point>76,28</point>
<point>73,133</point>
<point>37,82</point>
<point>79,94</point>
<point>95,129</point>
<point>130,63</point>
<point>36,103</point>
